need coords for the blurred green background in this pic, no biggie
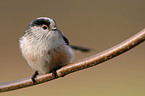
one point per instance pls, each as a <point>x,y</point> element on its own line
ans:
<point>98,24</point>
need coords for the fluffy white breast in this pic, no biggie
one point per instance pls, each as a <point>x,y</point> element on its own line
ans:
<point>36,52</point>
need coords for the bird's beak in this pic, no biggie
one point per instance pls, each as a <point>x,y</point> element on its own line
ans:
<point>54,29</point>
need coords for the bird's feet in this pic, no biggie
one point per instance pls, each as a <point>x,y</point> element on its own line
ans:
<point>54,73</point>
<point>34,76</point>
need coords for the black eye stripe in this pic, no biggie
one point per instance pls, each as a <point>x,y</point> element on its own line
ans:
<point>40,22</point>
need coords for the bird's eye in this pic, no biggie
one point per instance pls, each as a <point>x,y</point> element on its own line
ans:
<point>44,27</point>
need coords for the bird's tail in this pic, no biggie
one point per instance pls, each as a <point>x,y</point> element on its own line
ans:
<point>83,49</point>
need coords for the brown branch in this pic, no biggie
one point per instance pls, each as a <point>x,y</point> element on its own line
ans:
<point>88,62</point>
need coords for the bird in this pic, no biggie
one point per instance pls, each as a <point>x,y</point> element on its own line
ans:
<point>45,47</point>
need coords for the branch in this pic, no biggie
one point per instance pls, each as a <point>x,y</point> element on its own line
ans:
<point>86,63</point>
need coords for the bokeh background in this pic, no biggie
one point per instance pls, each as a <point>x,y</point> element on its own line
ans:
<point>97,24</point>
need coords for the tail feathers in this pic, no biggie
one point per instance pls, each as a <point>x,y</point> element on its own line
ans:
<point>83,49</point>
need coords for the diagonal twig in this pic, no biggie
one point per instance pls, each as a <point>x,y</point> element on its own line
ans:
<point>82,64</point>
